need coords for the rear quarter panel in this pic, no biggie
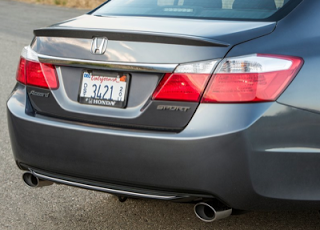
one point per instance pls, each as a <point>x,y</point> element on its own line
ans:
<point>297,34</point>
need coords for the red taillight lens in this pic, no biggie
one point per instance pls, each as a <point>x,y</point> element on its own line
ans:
<point>187,83</point>
<point>252,78</point>
<point>37,74</point>
<point>21,71</point>
<point>41,75</point>
<point>181,87</point>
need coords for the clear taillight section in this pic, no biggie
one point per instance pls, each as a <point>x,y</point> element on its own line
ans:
<point>37,74</point>
<point>187,83</point>
<point>253,78</point>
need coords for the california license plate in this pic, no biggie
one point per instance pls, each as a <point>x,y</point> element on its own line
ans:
<point>104,90</point>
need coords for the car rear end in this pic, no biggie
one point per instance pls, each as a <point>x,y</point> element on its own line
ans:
<point>170,102</point>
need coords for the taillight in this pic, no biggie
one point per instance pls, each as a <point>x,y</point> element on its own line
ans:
<point>187,83</point>
<point>21,71</point>
<point>253,78</point>
<point>37,74</point>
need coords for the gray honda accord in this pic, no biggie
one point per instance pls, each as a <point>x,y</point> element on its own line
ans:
<point>212,102</point>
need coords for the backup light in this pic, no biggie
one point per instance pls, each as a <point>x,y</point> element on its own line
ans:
<point>204,67</point>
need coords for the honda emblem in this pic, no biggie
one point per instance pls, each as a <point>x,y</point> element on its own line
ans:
<point>99,45</point>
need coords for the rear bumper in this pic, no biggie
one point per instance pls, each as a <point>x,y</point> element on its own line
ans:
<point>250,156</point>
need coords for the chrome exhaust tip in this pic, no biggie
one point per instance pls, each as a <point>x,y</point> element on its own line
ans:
<point>211,211</point>
<point>33,181</point>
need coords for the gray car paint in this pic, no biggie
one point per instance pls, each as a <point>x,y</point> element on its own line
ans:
<point>143,51</point>
<point>228,154</point>
<point>298,35</point>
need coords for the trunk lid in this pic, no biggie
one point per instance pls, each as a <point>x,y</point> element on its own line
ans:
<point>143,49</point>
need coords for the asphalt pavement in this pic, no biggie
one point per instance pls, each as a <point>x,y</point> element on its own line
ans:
<point>63,207</point>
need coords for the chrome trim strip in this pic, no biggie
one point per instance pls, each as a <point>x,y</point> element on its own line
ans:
<point>119,66</point>
<point>294,150</point>
<point>102,189</point>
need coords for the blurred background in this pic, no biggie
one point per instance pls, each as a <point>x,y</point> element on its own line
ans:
<point>90,4</point>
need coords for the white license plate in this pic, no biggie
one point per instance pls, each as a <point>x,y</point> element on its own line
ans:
<point>104,90</point>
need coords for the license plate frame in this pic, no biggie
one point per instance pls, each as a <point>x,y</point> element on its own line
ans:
<point>96,95</point>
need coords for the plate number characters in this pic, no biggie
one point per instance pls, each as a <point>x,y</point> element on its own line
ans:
<point>103,87</point>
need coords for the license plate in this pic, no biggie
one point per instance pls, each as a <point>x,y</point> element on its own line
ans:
<point>104,90</point>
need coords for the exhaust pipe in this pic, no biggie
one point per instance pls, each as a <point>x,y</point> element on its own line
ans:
<point>33,181</point>
<point>211,211</point>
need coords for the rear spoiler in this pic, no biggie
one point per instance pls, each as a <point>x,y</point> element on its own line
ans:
<point>132,36</point>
